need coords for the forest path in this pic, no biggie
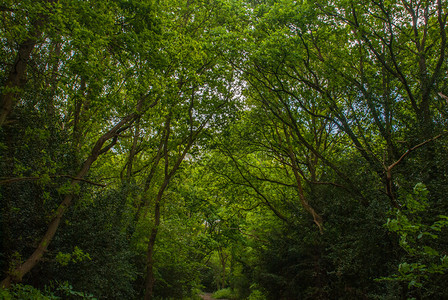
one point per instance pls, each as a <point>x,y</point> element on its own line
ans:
<point>208,296</point>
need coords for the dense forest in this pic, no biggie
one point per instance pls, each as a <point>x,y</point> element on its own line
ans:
<point>259,149</point>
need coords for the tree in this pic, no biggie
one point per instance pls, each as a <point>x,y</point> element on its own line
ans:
<point>74,26</point>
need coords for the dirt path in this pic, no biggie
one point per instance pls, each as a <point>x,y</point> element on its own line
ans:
<point>207,296</point>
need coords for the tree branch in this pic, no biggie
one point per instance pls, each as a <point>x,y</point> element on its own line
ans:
<point>389,168</point>
<point>443,96</point>
<point>18,179</point>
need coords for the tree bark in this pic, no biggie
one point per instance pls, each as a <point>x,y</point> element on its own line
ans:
<point>150,279</point>
<point>16,78</point>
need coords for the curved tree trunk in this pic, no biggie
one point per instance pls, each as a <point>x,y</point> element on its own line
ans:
<point>17,274</point>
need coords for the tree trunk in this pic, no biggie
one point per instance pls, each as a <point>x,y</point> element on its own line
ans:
<point>16,78</point>
<point>223,259</point>
<point>316,217</point>
<point>150,279</point>
<point>17,274</point>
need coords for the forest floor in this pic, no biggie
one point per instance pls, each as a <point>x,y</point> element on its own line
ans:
<point>208,296</point>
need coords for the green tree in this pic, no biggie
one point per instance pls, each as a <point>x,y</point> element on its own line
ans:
<point>75,41</point>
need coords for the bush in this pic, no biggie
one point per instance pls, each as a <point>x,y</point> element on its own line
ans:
<point>24,292</point>
<point>223,294</point>
<point>256,295</point>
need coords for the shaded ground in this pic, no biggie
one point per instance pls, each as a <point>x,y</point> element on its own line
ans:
<point>208,296</point>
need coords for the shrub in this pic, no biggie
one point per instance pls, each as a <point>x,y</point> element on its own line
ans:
<point>223,294</point>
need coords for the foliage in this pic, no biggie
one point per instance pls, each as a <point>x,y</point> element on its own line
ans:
<point>418,239</point>
<point>223,294</point>
<point>77,256</point>
<point>65,291</point>
<point>25,292</point>
<point>57,291</point>
<point>256,295</point>
<point>106,255</point>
